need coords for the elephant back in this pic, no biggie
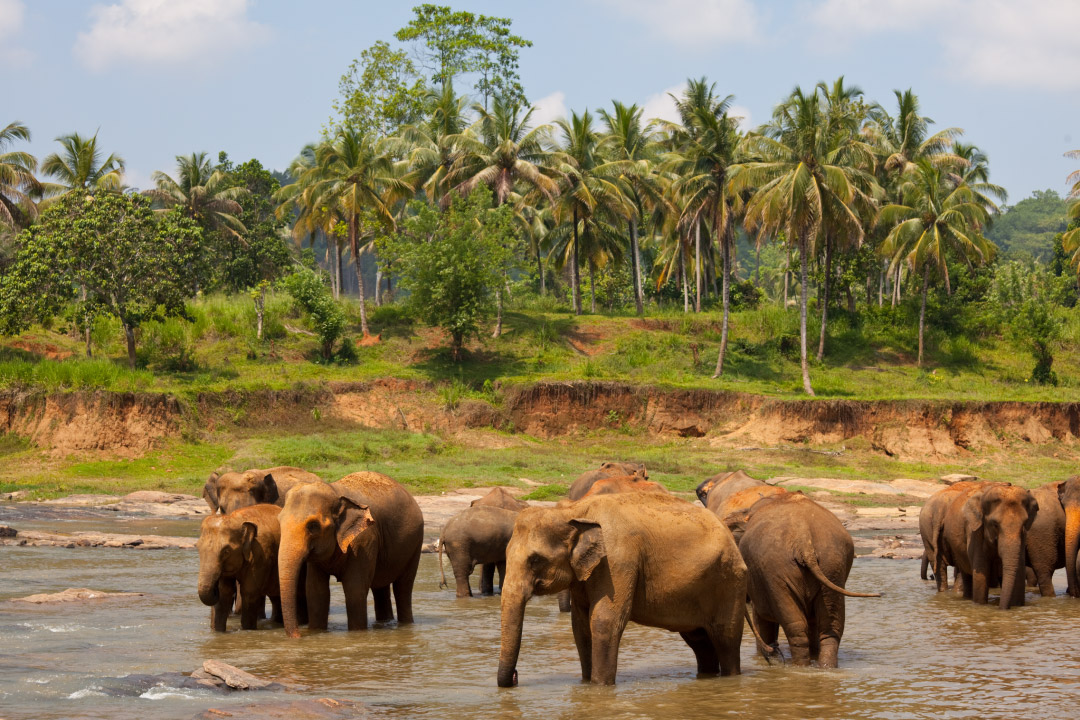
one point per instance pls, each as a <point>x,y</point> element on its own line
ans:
<point>397,516</point>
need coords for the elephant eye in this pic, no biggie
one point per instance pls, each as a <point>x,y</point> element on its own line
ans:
<point>313,526</point>
<point>535,560</point>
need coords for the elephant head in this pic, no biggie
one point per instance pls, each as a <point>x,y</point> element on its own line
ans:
<point>317,525</point>
<point>724,484</point>
<point>224,543</point>
<point>234,490</point>
<point>1000,516</point>
<point>1069,495</point>
<point>550,548</point>
<point>625,468</point>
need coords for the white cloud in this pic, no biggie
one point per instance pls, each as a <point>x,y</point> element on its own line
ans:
<point>549,108</point>
<point>662,106</point>
<point>166,32</point>
<point>12,13</point>
<point>1010,43</point>
<point>693,22</point>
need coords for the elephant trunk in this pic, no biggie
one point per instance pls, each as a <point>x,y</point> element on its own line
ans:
<point>1011,551</point>
<point>208,587</point>
<point>1072,545</point>
<point>514,597</point>
<point>291,559</point>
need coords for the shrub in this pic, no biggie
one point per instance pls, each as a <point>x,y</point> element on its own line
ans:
<point>327,318</point>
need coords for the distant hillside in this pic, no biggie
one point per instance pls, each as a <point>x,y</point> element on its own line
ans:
<point>1027,229</point>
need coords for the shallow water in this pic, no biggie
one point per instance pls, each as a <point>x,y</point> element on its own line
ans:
<point>911,654</point>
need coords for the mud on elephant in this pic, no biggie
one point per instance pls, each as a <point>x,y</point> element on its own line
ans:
<point>499,497</point>
<point>714,491</point>
<point>643,557</point>
<point>366,530</point>
<point>228,491</point>
<point>477,536</point>
<point>585,481</point>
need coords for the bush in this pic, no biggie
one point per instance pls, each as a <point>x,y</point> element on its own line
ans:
<point>327,317</point>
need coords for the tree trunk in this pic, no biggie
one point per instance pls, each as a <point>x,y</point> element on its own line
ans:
<point>685,285</point>
<point>354,246</point>
<point>757,265</point>
<point>540,270</point>
<point>802,318</point>
<point>697,266</point>
<point>260,305</point>
<point>922,310</point>
<point>378,286</point>
<point>725,294</point>
<point>337,268</point>
<point>823,296</point>
<point>129,334</point>
<point>86,324</point>
<point>881,287</point>
<point>592,287</point>
<point>635,261</point>
<point>850,299</point>
<point>575,270</point>
<point>498,313</point>
<point>787,273</point>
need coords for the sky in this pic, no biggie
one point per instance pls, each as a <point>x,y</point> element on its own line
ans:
<point>257,78</point>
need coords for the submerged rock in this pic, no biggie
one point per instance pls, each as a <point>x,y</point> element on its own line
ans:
<point>8,532</point>
<point>75,595</point>
<point>321,709</point>
<point>43,538</point>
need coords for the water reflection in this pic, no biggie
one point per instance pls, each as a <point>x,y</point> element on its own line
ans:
<point>911,654</point>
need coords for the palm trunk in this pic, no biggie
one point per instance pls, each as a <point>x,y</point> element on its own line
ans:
<point>498,313</point>
<point>635,260</point>
<point>802,318</point>
<point>575,274</point>
<point>757,265</point>
<point>823,296</point>
<point>592,287</point>
<point>337,268</point>
<point>922,310</point>
<point>378,286</point>
<point>787,273</point>
<point>514,599</point>
<point>260,305</point>
<point>129,334</point>
<point>697,266</point>
<point>540,270</point>
<point>86,324</point>
<point>1072,546</point>
<point>685,286</point>
<point>725,294</point>
<point>354,246</point>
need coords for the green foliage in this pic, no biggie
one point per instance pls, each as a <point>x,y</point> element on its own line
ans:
<point>1026,230</point>
<point>547,492</point>
<point>314,297</point>
<point>452,262</point>
<point>381,91</point>
<point>1038,328</point>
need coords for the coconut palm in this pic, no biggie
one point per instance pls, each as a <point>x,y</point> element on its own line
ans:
<point>430,146</point>
<point>904,139</point>
<point>1070,241</point>
<point>81,165</point>
<point>202,192</point>
<point>937,219</point>
<point>807,181</point>
<point>18,186</point>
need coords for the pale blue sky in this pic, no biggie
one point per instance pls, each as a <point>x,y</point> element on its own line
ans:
<point>257,77</point>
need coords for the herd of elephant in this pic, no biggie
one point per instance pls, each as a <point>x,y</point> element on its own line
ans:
<point>620,548</point>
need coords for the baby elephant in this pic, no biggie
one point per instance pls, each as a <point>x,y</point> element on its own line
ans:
<point>240,548</point>
<point>477,535</point>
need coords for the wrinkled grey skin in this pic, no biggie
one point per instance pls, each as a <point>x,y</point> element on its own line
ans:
<point>228,491</point>
<point>584,482</point>
<point>477,536</point>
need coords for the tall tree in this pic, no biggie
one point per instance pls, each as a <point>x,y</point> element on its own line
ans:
<point>202,192</point>
<point>806,181</point>
<point>431,146</point>
<point>82,165</point>
<point>1071,240</point>
<point>18,185</point>
<point>381,91</point>
<point>937,219</point>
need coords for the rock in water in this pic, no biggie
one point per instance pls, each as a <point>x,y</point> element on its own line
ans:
<point>234,677</point>
<point>74,595</point>
<point>322,709</point>
<point>6,531</point>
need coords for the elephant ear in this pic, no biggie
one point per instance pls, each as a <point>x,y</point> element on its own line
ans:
<point>351,519</point>
<point>210,494</point>
<point>736,522</point>
<point>588,548</point>
<point>249,531</point>
<point>265,489</point>
<point>973,511</point>
<point>1032,507</point>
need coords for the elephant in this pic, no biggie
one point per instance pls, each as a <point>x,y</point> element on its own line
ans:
<point>735,509</point>
<point>366,530</point>
<point>240,548</point>
<point>581,485</point>
<point>228,491</point>
<point>931,516</point>
<point>1069,498</point>
<point>477,535</point>
<point>983,535</point>
<point>715,490</point>
<point>1046,539</point>
<point>499,497</point>
<point>646,557</point>
<point>624,483</point>
<point>798,556</point>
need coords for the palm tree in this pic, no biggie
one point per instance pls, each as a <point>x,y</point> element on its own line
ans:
<point>1070,241</point>
<point>430,146</point>
<point>80,165</point>
<point>627,139</point>
<point>938,218</point>
<point>591,199</point>
<point>807,182</point>
<point>503,152</point>
<point>704,158</point>
<point>202,192</point>
<point>18,186</point>
<point>356,172</point>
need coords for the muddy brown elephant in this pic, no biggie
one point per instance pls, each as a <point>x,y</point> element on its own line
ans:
<point>477,536</point>
<point>1045,543</point>
<point>581,485</point>
<point>624,483</point>
<point>931,517</point>
<point>228,491</point>
<point>713,491</point>
<point>499,497</point>
<point>798,557</point>
<point>240,549</point>
<point>643,557</point>
<point>983,535</point>
<point>366,530</point>
<point>735,509</point>
<point>1069,497</point>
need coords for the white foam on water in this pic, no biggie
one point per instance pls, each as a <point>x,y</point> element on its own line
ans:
<point>85,693</point>
<point>160,693</point>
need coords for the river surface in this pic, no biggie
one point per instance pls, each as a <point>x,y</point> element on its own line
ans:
<point>910,654</point>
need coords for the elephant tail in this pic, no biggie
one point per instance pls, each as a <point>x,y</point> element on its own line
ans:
<point>442,570</point>
<point>761,644</point>
<point>811,563</point>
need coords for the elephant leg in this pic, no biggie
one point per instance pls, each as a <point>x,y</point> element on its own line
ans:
<point>770,633</point>
<point>487,579</point>
<point>356,592</point>
<point>795,629</point>
<point>219,613</point>
<point>830,613</point>
<point>403,589</point>
<point>275,614</point>
<point>564,601</point>
<point>501,567</point>
<point>579,622</point>
<point>966,584</point>
<point>924,566</point>
<point>253,608</point>
<point>384,610</point>
<point>699,641</point>
<point>462,567</point>
<point>317,587</point>
<point>1044,578</point>
<point>607,622</point>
